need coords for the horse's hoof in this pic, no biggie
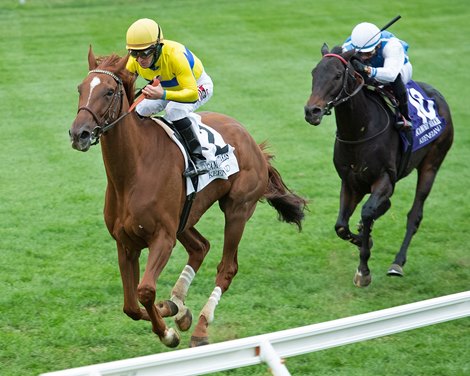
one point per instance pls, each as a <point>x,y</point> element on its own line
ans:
<point>171,338</point>
<point>185,321</point>
<point>167,308</point>
<point>395,270</point>
<point>198,341</point>
<point>362,280</point>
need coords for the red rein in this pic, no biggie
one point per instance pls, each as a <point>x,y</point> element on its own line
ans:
<point>141,97</point>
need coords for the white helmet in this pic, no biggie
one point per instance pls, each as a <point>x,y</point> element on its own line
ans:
<point>365,36</point>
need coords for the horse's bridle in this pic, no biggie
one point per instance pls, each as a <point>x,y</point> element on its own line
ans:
<point>343,95</point>
<point>339,99</point>
<point>112,112</point>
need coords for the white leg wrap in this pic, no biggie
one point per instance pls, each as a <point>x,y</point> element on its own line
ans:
<point>209,308</point>
<point>180,290</point>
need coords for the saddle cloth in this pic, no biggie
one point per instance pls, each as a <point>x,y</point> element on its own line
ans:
<point>427,124</point>
<point>221,160</point>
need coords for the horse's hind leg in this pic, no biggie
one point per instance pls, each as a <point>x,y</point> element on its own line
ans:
<point>197,247</point>
<point>426,176</point>
<point>236,216</point>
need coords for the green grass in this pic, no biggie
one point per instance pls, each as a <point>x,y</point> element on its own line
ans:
<point>60,290</point>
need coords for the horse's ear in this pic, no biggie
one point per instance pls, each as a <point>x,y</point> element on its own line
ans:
<point>324,49</point>
<point>122,62</point>
<point>92,64</point>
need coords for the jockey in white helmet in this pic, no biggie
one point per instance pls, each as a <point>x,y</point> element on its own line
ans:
<point>384,58</point>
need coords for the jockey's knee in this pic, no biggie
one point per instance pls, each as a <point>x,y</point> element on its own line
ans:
<point>175,111</point>
<point>149,107</point>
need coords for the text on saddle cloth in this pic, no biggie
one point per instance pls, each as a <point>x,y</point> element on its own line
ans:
<point>427,123</point>
<point>221,160</point>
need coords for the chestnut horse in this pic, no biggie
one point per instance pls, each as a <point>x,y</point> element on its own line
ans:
<point>146,192</point>
<point>368,151</point>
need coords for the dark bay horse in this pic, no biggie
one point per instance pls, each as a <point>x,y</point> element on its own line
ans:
<point>146,192</point>
<point>368,151</point>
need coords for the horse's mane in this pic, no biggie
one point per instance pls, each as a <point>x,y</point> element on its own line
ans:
<point>109,63</point>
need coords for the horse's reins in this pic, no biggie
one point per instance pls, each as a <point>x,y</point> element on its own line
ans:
<point>118,94</point>
<point>370,137</point>
<point>338,100</point>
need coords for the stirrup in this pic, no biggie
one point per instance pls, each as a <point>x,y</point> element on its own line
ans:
<point>403,124</point>
<point>195,168</point>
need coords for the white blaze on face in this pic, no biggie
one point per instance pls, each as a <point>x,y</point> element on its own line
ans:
<point>94,82</point>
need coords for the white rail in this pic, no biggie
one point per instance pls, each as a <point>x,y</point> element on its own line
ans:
<point>271,348</point>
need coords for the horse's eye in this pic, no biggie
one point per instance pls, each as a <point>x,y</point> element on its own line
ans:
<point>110,92</point>
<point>338,75</point>
<point>79,89</point>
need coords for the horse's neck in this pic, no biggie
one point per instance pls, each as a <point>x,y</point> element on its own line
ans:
<point>122,150</point>
<point>357,117</point>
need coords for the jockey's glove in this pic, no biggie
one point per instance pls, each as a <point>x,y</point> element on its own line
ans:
<point>360,67</point>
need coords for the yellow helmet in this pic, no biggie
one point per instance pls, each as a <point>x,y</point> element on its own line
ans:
<point>142,34</point>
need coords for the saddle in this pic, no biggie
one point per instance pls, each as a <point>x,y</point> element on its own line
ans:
<point>386,93</point>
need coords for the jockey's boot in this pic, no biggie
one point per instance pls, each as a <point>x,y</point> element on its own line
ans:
<point>403,122</point>
<point>197,164</point>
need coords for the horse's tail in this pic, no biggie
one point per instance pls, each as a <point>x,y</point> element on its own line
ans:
<point>289,206</point>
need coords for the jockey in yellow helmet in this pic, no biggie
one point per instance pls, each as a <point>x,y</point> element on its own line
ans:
<point>184,85</point>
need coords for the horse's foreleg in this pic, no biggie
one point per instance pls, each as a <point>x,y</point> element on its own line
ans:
<point>159,254</point>
<point>347,204</point>
<point>376,205</point>
<point>129,268</point>
<point>415,215</point>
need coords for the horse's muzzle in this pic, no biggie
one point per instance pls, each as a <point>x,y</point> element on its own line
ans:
<point>80,139</point>
<point>313,114</point>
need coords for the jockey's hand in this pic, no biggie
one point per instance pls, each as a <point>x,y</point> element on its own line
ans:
<point>153,92</point>
<point>359,67</point>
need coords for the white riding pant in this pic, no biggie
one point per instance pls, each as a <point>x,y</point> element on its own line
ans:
<point>178,110</point>
<point>406,72</point>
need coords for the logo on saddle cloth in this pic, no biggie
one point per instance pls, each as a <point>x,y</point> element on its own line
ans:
<point>221,160</point>
<point>427,124</point>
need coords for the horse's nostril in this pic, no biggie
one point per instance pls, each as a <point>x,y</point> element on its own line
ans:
<point>316,111</point>
<point>84,135</point>
<point>312,111</point>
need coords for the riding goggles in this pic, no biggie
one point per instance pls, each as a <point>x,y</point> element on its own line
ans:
<point>142,53</point>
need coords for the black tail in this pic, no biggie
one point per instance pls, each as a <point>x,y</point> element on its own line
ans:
<point>289,206</point>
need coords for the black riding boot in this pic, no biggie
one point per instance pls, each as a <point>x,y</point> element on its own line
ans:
<point>399,89</point>
<point>198,164</point>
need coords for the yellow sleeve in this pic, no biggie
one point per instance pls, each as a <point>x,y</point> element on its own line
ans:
<point>186,81</point>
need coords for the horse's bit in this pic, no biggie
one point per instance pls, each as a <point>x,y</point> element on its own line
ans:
<point>338,100</point>
<point>110,112</point>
